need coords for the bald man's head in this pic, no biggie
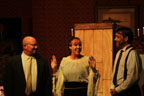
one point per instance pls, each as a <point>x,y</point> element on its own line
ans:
<point>28,39</point>
<point>30,45</point>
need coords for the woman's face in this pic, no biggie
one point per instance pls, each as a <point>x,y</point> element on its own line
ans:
<point>75,47</point>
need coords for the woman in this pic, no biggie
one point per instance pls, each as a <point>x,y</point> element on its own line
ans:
<point>77,74</point>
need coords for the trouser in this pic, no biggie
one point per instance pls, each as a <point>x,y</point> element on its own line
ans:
<point>132,91</point>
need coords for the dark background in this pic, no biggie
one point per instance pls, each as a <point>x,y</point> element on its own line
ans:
<point>50,21</point>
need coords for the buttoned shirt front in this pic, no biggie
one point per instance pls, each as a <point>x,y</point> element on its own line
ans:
<point>133,69</point>
<point>25,62</point>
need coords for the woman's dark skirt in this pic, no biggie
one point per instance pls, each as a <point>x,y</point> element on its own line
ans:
<point>75,89</point>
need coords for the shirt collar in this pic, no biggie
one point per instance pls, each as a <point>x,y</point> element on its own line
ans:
<point>26,56</point>
<point>126,47</point>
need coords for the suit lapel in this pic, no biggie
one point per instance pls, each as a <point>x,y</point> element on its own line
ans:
<point>38,69</point>
<point>20,67</point>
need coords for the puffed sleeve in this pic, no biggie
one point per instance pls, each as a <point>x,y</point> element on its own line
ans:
<point>93,82</point>
<point>58,81</point>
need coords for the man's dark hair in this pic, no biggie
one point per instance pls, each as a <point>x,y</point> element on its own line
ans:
<point>125,31</point>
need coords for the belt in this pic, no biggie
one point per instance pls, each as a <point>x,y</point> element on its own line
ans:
<point>75,85</point>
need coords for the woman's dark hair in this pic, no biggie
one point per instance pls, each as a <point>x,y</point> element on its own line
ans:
<point>125,31</point>
<point>70,44</point>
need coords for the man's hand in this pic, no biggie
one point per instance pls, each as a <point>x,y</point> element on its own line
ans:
<point>113,92</point>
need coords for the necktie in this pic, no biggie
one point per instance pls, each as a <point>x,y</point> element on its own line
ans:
<point>116,70</point>
<point>29,78</point>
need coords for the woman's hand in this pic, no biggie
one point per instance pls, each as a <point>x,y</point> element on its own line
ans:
<point>54,63</point>
<point>92,63</point>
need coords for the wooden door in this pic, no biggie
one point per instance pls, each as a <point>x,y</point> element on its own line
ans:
<point>97,41</point>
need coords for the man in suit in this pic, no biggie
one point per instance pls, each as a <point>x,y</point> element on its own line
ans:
<point>127,65</point>
<point>27,74</point>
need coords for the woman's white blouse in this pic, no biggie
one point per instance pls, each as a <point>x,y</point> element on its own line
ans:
<point>75,71</point>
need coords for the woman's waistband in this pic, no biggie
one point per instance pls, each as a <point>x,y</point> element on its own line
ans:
<point>76,84</point>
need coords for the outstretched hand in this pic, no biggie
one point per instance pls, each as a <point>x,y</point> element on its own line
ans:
<point>92,63</point>
<point>54,63</point>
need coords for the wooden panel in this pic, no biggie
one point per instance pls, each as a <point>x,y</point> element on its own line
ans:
<point>107,64</point>
<point>92,26</point>
<point>88,43</point>
<point>106,87</point>
<point>107,53</point>
<point>80,34</point>
<point>98,48</point>
<point>97,40</point>
<point>100,94</point>
<point>107,39</point>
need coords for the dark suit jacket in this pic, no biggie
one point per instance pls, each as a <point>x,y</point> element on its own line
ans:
<point>14,80</point>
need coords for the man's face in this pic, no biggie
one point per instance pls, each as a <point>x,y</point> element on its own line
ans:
<point>75,47</point>
<point>120,40</point>
<point>31,47</point>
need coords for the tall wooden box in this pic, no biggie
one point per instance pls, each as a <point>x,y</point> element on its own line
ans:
<point>97,41</point>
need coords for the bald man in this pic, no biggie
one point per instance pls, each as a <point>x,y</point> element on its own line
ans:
<point>16,73</point>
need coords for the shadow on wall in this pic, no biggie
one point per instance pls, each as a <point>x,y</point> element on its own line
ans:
<point>10,41</point>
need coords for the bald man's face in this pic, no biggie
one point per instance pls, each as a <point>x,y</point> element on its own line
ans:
<point>30,46</point>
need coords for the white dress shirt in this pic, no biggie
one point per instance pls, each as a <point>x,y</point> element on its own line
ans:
<point>25,62</point>
<point>133,70</point>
